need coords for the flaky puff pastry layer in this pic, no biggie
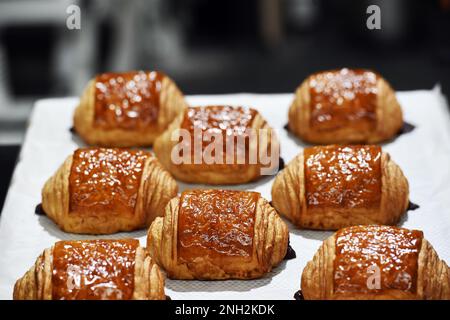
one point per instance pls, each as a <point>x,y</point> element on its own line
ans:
<point>36,284</point>
<point>226,174</point>
<point>389,119</point>
<point>171,102</point>
<point>433,277</point>
<point>288,198</point>
<point>270,242</point>
<point>156,188</point>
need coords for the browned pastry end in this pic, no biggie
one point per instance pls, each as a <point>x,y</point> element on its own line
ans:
<point>103,191</point>
<point>127,109</point>
<point>218,234</point>
<point>376,262</point>
<point>345,106</point>
<point>240,162</point>
<point>331,187</point>
<point>92,270</point>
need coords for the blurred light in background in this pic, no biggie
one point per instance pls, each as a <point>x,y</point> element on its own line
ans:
<point>213,46</point>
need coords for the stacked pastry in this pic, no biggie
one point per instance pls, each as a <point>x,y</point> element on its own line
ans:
<point>356,189</point>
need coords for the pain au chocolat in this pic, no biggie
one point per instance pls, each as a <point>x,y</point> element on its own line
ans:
<point>92,270</point>
<point>218,234</point>
<point>128,109</point>
<point>107,190</point>
<point>345,106</point>
<point>245,136</point>
<point>376,262</point>
<point>330,187</point>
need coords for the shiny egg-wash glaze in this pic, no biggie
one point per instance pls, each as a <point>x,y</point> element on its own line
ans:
<point>339,177</point>
<point>95,270</point>
<point>105,179</point>
<point>92,270</point>
<point>217,235</point>
<point>127,100</point>
<point>393,250</point>
<point>227,121</point>
<point>330,187</point>
<point>209,226</point>
<point>345,106</point>
<point>107,190</point>
<point>376,262</point>
<point>127,109</point>
<point>342,99</point>
<point>232,124</point>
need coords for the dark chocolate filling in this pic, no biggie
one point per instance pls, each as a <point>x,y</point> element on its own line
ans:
<point>299,295</point>
<point>412,206</point>
<point>290,253</point>
<point>280,164</point>
<point>406,128</point>
<point>39,210</point>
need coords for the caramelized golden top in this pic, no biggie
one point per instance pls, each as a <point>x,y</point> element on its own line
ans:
<point>94,269</point>
<point>343,98</point>
<point>128,100</point>
<point>105,180</point>
<point>228,121</point>
<point>343,176</point>
<point>216,223</point>
<point>362,251</point>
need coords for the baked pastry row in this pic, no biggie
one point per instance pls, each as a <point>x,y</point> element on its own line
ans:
<point>104,190</point>
<point>205,234</point>
<point>359,262</point>
<point>336,106</point>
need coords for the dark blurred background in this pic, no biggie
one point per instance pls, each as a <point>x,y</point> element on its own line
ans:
<point>207,47</point>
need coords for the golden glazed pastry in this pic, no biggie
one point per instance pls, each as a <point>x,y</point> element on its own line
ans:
<point>229,163</point>
<point>331,187</point>
<point>376,262</point>
<point>102,191</point>
<point>218,234</point>
<point>345,106</point>
<point>127,109</point>
<point>92,270</point>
